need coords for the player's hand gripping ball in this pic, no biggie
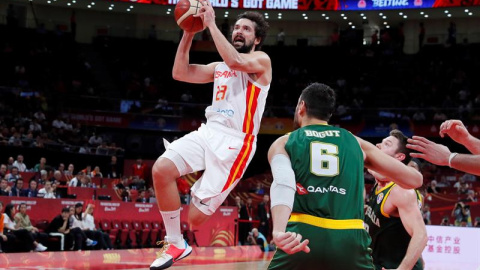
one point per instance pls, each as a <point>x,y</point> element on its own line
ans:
<point>184,15</point>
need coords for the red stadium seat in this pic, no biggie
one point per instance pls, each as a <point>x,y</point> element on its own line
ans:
<point>131,234</point>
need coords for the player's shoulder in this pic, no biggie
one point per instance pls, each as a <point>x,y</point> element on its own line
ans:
<point>401,195</point>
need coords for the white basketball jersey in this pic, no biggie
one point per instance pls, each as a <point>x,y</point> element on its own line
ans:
<point>238,102</point>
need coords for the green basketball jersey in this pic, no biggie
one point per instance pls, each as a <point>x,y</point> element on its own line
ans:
<point>389,238</point>
<point>328,165</point>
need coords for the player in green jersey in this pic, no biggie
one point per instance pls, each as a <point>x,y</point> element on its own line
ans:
<point>392,216</point>
<point>324,165</point>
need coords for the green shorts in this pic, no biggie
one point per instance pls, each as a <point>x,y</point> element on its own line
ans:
<point>330,249</point>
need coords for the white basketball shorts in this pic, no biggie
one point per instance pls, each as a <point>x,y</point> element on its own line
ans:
<point>223,153</point>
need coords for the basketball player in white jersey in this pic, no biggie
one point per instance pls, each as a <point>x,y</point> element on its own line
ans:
<point>225,145</point>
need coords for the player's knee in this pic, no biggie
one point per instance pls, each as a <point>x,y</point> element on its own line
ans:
<point>163,169</point>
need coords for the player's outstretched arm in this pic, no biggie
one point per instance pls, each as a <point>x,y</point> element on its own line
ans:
<point>456,130</point>
<point>440,155</point>
<point>186,72</point>
<point>405,176</point>
<point>257,62</point>
<point>412,220</point>
<point>282,194</point>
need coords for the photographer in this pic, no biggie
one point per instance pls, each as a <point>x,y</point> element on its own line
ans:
<point>461,212</point>
<point>445,221</point>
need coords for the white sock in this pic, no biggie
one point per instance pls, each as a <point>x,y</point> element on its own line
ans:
<point>171,219</point>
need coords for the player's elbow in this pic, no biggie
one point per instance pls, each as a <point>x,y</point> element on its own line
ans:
<point>177,75</point>
<point>423,237</point>
<point>417,180</point>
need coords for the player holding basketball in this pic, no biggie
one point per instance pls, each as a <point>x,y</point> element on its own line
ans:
<point>393,218</point>
<point>225,145</point>
<point>324,164</point>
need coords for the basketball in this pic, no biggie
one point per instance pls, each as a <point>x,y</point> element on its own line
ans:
<point>184,11</point>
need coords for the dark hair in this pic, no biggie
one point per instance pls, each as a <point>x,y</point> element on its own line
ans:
<point>66,210</point>
<point>20,205</point>
<point>402,144</point>
<point>319,101</point>
<point>261,26</point>
<point>78,205</point>
<point>8,210</point>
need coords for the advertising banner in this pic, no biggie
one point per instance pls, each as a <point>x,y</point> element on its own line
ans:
<point>324,4</point>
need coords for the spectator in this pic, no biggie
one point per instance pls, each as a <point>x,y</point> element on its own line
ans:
<point>426,214</point>
<point>13,175</point>
<point>139,168</point>
<point>74,182</point>
<point>151,195</point>
<point>57,177</point>
<point>35,127</point>
<point>476,225</point>
<point>61,168</point>
<point>78,222</point>
<point>463,187</point>
<point>69,171</point>
<point>88,170</point>
<point>74,238</point>
<point>43,177</point>
<point>123,183</point>
<point>19,164</point>
<point>264,215</point>
<point>259,189</point>
<point>17,189</point>
<point>142,197</point>
<point>3,238</point>
<point>5,189</point>
<point>32,189</point>
<point>257,238</point>
<point>246,216</point>
<point>89,224</point>
<point>445,221</point>
<point>47,191</point>
<point>433,187</point>
<point>137,183</point>
<point>24,236</point>
<point>10,164</point>
<point>41,166</point>
<point>3,171</point>
<point>471,197</point>
<point>39,115</point>
<point>58,123</point>
<point>95,140</point>
<point>113,170</point>
<point>85,182</point>
<point>102,149</point>
<point>96,172</point>
<point>54,190</point>
<point>238,204</point>
<point>23,222</point>
<point>461,212</point>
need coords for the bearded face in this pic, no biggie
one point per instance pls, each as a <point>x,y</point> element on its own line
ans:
<point>242,45</point>
<point>243,36</point>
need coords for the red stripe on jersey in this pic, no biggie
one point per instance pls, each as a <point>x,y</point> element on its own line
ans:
<point>252,102</point>
<point>240,162</point>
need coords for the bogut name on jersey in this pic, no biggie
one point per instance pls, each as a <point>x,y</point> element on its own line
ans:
<point>313,189</point>
<point>322,134</point>
<point>371,215</point>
